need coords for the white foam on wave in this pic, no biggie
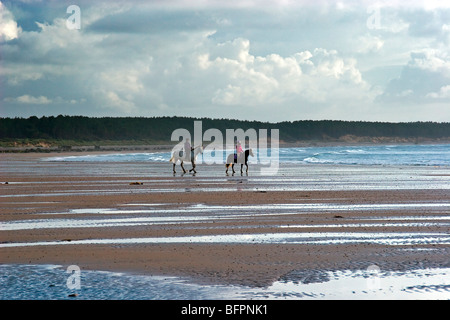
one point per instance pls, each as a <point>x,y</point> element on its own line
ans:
<point>428,155</point>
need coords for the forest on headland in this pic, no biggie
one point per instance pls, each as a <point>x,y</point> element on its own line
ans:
<point>81,130</point>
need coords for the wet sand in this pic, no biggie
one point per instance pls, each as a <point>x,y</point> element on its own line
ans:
<point>248,230</point>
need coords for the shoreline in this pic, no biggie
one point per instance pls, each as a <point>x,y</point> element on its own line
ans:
<point>93,148</point>
<point>358,210</point>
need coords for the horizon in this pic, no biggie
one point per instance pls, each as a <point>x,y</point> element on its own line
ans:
<point>266,61</point>
<point>223,119</point>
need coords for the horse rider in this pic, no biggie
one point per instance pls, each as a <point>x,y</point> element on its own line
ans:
<point>188,150</point>
<point>239,150</point>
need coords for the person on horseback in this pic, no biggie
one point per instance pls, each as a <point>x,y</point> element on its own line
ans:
<point>188,150</point>
<point>239,151</point>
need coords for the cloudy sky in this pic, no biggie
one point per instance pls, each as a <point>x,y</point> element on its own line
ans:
<point>270,60</point>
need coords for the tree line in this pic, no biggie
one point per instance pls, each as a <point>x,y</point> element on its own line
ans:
<point>81,128</point>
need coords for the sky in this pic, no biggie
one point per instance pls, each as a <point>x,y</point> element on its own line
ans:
<point>269,60</point>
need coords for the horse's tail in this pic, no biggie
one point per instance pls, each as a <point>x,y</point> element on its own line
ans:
<point>171,159</point>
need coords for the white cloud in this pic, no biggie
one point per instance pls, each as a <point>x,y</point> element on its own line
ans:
<point>27,99</point>
<point>113,100</point>
<point>431,60</point>
<point>9,29</point>
<point>424,78</point>
<point>15,78</point>
<point>369,44</point>
<point>444,93</point>
<point>427,4</point>
<point>254,80</point>
<point>117,88</point>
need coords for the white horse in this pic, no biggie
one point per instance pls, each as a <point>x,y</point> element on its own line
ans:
<point>176,156</point>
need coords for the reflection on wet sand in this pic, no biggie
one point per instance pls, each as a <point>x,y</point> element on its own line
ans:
<point>246,232</point>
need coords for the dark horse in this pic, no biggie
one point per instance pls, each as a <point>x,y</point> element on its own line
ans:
<point>242,160</point>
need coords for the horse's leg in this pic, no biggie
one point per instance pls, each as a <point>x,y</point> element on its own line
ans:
<point>193,167</point>
<point>246,162</point>
<point>232,167</point>
<point>174,168</point>
<point>242,165</point>
<point>182,167</point>
<point>226,166</point>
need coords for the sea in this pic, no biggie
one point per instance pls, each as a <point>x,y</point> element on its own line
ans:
<point>410,155</point>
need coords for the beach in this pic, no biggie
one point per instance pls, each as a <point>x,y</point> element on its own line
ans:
<point>215,229</point>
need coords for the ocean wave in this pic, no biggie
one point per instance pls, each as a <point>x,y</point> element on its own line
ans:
<point>415,155</point>
<point>315,160</point>
<point>359,151</point>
